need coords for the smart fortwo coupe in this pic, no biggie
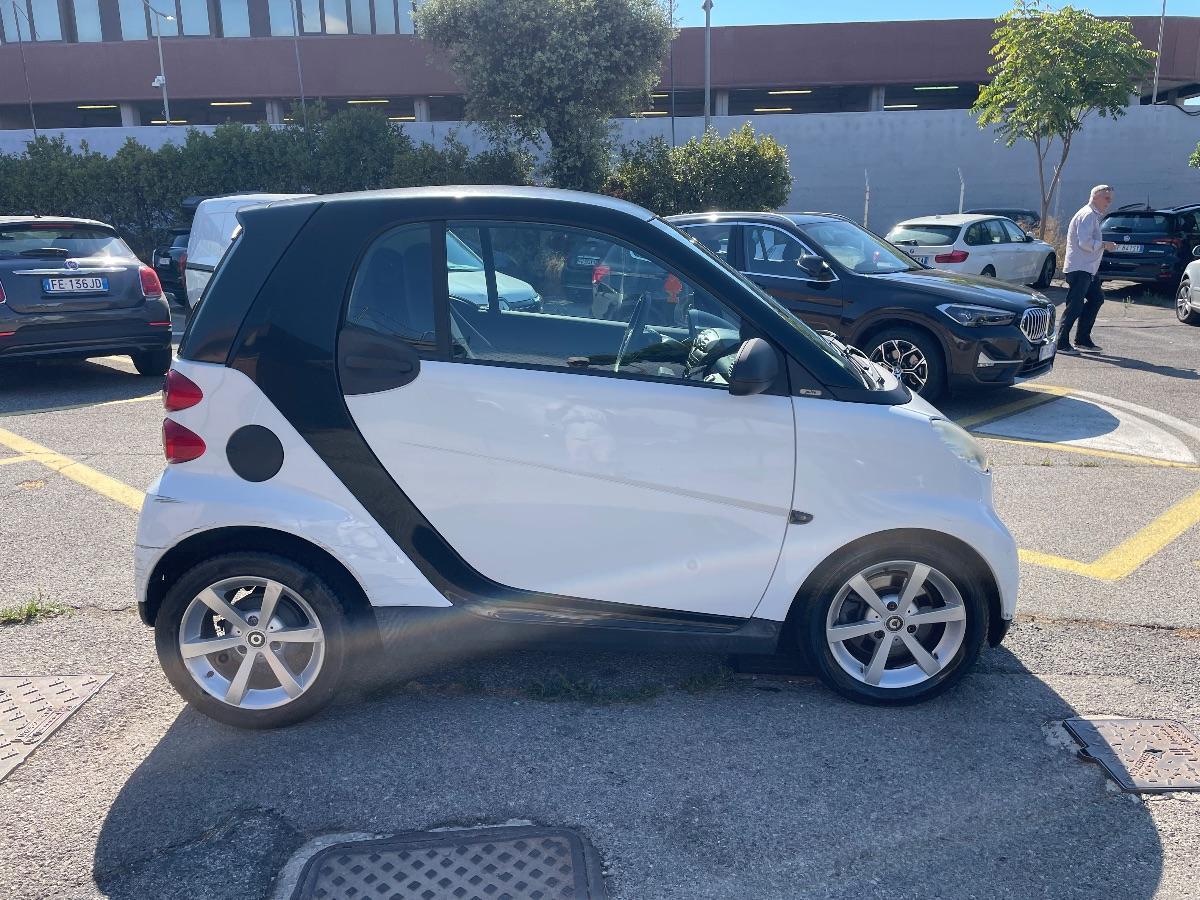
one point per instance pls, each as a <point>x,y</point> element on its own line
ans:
<point>357,460</point>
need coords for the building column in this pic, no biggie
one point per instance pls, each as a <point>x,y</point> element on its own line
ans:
<point>877,99</point>
<point>421,108</point>
<point>275,112</point>
<point>720,103</point>
<point>131,116</point>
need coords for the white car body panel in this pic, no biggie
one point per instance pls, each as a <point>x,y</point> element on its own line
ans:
<point>647,493</point>
<point>1017,262</point>
<point>304,499</point>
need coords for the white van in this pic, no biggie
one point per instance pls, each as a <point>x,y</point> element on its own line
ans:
<point>212,232</point>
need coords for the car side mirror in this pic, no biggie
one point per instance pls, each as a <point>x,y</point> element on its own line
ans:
<point>1196,251</point>
<point>755,368</point>
<point>814,267</point>
<point>1029,238</point>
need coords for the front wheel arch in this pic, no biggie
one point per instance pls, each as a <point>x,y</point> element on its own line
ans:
<point>866,339</point>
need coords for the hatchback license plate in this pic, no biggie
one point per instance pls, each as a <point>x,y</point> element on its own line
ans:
<point>74,285</point>
<point>1130,248</point>
<point>923,260</point>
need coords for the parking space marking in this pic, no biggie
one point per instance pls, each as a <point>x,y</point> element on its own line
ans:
<point>76,471</point>
<point>1044,394</point>
<point>49,409</point>
<point>16,459</point>
<point>1091,451</point>
<point>1130,554</point>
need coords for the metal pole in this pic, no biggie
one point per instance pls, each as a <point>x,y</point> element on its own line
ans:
<point>707,7</point>
<point>162,69</point>
<point>24,70</point>
<point>299,68</point>
<point>1162,21</point>
<point>962,190</point>
<point>867,200</point>
<point>671,8</point>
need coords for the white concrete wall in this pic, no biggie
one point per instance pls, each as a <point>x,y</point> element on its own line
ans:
<point>912,157</point>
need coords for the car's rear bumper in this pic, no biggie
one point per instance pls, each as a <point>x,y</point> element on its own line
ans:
<point>1155,271</point>
<point>101,333</point>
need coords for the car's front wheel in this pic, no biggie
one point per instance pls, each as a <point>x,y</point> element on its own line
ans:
<point>1047,274</point>
<point>895,623</point>
<point>252,639</point>
<point>1185,310</point>
<point>914,358</point>
<point>152,362</point>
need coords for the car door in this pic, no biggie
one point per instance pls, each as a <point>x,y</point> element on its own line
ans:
<point>1027,257</point>
<point>1005,255</point>
<point>790,271</point>
<point>554,464</point>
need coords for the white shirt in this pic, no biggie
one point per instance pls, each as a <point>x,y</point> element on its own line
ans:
<point>1085,242</point>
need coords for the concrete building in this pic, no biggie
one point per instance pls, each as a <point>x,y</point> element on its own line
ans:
<point>85,63</point>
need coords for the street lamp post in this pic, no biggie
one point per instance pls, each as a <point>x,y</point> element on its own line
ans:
<point>161,80</point>
<point>1162,21</point>
<point>24,70</point>
<point>707,7</point>
<point>299,68</point>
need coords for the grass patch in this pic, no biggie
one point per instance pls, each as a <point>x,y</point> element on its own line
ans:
<point>702,682</point>
<point>32,611</point>
<point>560,687</point>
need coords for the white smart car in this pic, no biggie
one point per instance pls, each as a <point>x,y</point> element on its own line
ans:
<point>977,245</point>
<point>360,462</point>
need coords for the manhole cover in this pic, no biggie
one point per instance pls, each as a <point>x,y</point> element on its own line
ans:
<point>517,863</point>
<point>32,707</point>
<point>1141,755</point>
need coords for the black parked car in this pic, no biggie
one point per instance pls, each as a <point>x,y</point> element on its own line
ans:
<point>169,262</point>
<point>71,287</point>
<point>1154,246</point>
<point>939,331</point>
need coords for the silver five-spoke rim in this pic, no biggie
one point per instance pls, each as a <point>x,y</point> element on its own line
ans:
<point>251,642</point>
<point>1183,303</point>
<point>896,624</point>
<point>906,361</point>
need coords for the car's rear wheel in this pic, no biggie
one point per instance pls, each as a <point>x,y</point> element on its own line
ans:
<point>252,639</point>
<point>152,362</point>
<point>913,356</point>
<point>894,624</point>
<point>988,272</point>
<point>1047,273</point>
<point>1185,311</point>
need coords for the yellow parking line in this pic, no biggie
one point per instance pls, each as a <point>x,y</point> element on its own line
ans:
<point>15,459</point>
<point>1044,394</point>
<point>1088,451</point>
<point>76,471</point>
<point>1130,554</point>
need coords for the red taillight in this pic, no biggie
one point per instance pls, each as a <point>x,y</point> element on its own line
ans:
<point>1175,242</point>
<point>182,262</point>
<point>180,392</point>
<point>151,286</point>
<point>954,256</point>
<point>180,444</point>
<point>599,272</point>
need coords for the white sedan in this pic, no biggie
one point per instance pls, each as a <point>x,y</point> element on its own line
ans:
<point>977,245</point>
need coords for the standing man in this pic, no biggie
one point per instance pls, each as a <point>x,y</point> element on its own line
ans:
<point>1085,248</point>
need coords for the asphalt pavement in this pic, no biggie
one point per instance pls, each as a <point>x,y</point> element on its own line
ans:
<point>691,780</point>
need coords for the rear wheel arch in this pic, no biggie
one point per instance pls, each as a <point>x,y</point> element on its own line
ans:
<point>979,569</point>
<point>215,542</point>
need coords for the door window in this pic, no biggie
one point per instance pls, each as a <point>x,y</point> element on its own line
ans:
<point>1015,234</point>
<point>548,296</point>
<point>976,235</point>
<point>392,293</point>
<point>772,251</point>
<point>714,238</point>
<point>995,232</point>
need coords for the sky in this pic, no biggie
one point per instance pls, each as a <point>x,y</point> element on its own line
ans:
<point>753,12</point>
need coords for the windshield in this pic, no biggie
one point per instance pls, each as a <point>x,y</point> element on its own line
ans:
<point>60,240</point>
<point>818,343</point>
<point>460,257</point>
<point>857,249</point>
<point>923,235</point>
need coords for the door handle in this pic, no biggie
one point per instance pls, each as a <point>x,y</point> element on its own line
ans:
<point>378,363</point>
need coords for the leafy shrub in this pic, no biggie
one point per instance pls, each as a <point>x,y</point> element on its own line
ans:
<point>741,171</point>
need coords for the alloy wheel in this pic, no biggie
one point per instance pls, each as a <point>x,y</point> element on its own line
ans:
<point>1183,303</point>
<point>896,624</point>
<point>906,361</point>
<point>251,642</point>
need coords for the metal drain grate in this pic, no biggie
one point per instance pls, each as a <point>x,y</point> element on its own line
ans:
<point>1144,756</point>
<point>511,863</point>
<point>32,707</point>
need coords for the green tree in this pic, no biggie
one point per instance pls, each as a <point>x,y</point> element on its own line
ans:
<point>561,68</point>
<point>1053,69</point>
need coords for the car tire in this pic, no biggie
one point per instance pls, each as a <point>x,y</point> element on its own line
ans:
<point>988,272</point>
<point>152,362</point>
<point>306,607</point>
<point>1184,310</point>
<point>891,345</point>
<point>949,593</point>
<point>1047,273</point>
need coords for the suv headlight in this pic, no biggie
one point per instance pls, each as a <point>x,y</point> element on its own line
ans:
<point>962,445</point>
<point>969,314</point>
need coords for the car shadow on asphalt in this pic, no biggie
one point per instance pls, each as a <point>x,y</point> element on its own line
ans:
<point>50,384</point>
<point>1139,365</point>
<point>689,781</point>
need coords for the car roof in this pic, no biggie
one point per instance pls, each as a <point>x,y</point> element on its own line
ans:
<point>515,194</point>
<point>949,219</point>
<point>33,220</point>
<point>237,201</point>
<point>783,218</point>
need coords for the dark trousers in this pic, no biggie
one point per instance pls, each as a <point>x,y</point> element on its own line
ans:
<point>1081,287</point>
